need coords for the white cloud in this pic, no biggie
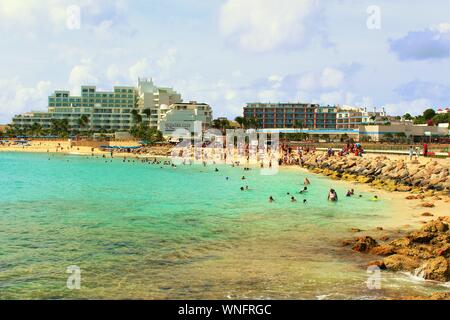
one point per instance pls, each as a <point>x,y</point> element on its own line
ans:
<point>16,98</point>
<point>331,78</point>
<point>443,27</point>
<point>264,25</point>
<point>82,74</point>
<point>115,76</point>
<point>168,59</point>
<point>139,69</point>
<point>98,16</point>
<point>413,107</point>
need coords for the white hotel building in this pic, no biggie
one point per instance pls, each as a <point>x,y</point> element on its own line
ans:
<point>113,111</point>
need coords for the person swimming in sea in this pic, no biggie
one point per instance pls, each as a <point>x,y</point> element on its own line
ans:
<point>217,170</point>
<point>375,198</point>
<point>349,193</point>
<point>271,199</point>
<point>304,201</point>
<point>293,199</point>
<point>246,188</point>
<point>332,195</point>
<point>305,189</point>
<point>243,178</point>
<point>242,188</point>
<point>306,182</point>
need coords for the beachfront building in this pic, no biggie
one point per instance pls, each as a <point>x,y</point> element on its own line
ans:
<point>349,117</point>
<point>408,130</point>
<point>375,133</point>
<point>184,116</point>
<point>153,101</point>
<point>442,110</point>
<point>291,115</point>
<point>97,111</point>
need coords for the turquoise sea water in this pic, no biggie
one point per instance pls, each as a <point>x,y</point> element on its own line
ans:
<point>138,231</point>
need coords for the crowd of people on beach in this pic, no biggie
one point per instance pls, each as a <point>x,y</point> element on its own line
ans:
<point>288,156</point>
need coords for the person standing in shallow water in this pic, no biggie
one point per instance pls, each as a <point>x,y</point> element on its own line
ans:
<point>332,195</point>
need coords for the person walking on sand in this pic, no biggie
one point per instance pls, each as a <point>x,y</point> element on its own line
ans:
<point>425,149</point>
<point>411,152</point>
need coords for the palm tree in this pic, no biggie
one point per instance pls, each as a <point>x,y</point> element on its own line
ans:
<point>83,121</point>
<point>60,127</point>
<point>36,129</point>
<point>240,121</point>
<point>137,118</point>
<point>147,112</point>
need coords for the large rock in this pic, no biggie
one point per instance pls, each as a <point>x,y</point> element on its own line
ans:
<point>437,269</point>
<point>398,262</point>
<point>435,226</point>
<point>364,244</point>
<point>421,236</point>
<point>383,250</point>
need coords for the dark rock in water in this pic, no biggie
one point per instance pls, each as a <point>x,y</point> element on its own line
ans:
<point>364,244</point>
<point>437,269</point>
<point>398,262</point>
<point>426,214</point>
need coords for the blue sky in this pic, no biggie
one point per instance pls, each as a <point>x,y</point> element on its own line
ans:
<point>229,52</point>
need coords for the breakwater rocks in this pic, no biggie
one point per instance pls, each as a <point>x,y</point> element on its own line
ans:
<point>424,253</point>
<point>382,172</point>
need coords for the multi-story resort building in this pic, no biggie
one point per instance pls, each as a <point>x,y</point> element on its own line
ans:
<point>99,111</point>
<point>334,121</point>
<point>184,115</point>
<point>291,115</point>
<point>312,116</point>
<point>352,117</point>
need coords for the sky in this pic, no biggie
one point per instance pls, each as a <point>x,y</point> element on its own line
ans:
<point>378,53</point>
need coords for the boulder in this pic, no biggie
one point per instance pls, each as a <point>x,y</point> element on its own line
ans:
<point>364,244</point>
<point>401,243</point>
<point>383,250</point>
<point>437,269</point>
<point>443,251</point>
<point>398,262</point>
<point>426,214</point>
<point>421,236</point>
<point>435,226</point>
<point>427,205</point>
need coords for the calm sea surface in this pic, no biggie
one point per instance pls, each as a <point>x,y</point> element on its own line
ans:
<point>143,232</point>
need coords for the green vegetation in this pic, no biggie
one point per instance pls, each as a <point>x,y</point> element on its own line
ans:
<point>429,117</point>
<point>143,132</point>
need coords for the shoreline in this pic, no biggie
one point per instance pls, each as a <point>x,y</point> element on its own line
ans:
<point>407,208</point>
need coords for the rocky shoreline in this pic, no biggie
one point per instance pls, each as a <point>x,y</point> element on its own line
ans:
<point>425,252</point>
<point>382,172</point>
